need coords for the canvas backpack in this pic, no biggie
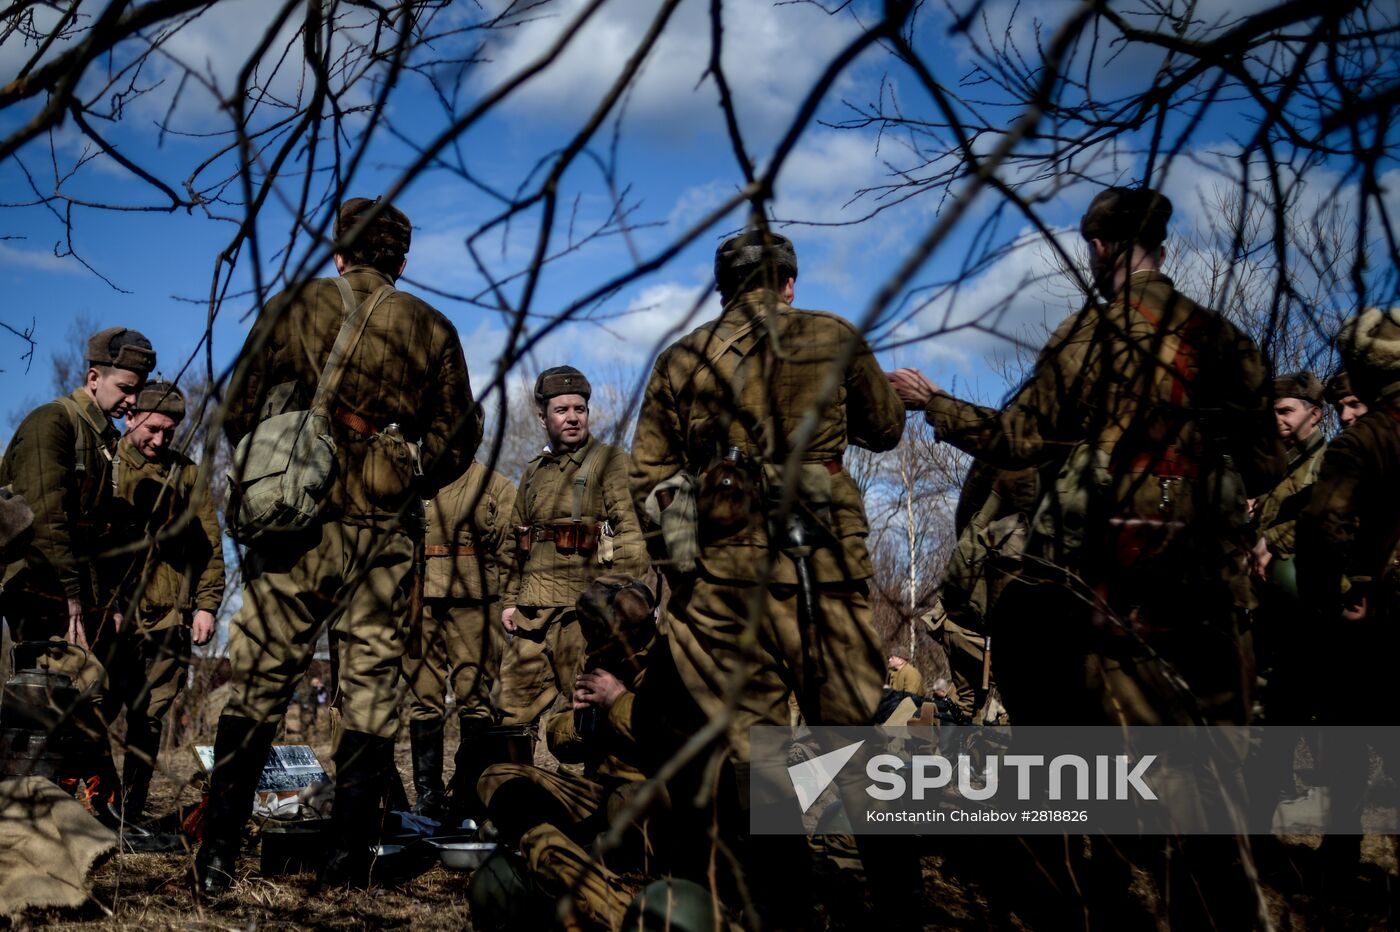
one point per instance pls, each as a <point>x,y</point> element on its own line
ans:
<point>282,471</point>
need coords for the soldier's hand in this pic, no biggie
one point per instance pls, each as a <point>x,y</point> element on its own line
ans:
<point>507,621</point>
<point>77,632</point>
<point>1355,609</point>
<point>1260,558</point>
<point>202,628</point>
<point>598,688</point>
<point>912,387</point>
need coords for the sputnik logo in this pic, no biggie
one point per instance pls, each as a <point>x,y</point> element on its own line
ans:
<point>810,778</point>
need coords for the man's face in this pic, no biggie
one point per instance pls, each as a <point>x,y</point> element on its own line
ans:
<point>1349,409</point>
<point>565,420</point>
<point>114,390</point>
<point>897,663</point>
<point>151,433</point>
<point>1296,420</point>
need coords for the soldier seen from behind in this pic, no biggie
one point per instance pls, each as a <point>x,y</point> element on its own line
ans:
<point>1154,416</point>
<point>761,533</point>
<point>60,461</point>
<point>329,545</point>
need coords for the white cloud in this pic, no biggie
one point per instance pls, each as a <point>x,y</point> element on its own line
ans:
<point>38,261</point>
<point>660,314</point>
<point>771,55</point>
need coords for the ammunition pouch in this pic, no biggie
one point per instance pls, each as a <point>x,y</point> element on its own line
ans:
<point>390,464</point>
<point>727,497</point>
<point>567,537</point>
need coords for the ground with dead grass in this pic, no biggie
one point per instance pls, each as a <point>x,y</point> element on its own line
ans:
<point>969,883</point>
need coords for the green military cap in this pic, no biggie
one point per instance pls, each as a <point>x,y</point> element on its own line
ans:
<point>561,380</point>
<point>390,232</point>
<point>745,258</point>
<point>1120,215</point>
<point>1338,387</point>
<point>123,348</point>
<point>161,398</point>
<point>1301,385</point>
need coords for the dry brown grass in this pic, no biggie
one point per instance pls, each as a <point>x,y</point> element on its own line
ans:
<point>969,883</point>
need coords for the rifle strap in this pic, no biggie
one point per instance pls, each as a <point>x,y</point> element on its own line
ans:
<point>351,329</point>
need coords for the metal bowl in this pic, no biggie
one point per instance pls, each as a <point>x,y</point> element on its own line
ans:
<point>462,854</point>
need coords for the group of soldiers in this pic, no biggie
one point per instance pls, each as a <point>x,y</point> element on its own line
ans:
<point>1148,505</point>
<point>124,565</point>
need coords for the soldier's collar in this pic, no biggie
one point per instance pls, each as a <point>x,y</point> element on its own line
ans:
<point>578,455</point>
<point>1298,454</point>
<point>755,303</point>
<point>128,449</point>
<point>93,414</point>
<point>366,270</point>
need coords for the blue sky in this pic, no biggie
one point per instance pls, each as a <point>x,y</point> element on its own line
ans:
<point>671,159</point>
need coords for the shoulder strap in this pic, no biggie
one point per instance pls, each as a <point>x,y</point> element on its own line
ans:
<point>738,377</point>
<point>351,329</point>
<point>581,478</point>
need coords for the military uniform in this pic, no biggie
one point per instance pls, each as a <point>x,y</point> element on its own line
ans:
<point>1281,640</point>
<point>753,411</point>
<point>1347,552</point>
<point>992,521</point>
<point>60,460</point>
<point>168,582</point>
<point>552,814</point>
<point>541,660</point>
<point>1157,409</point>
<point>741,582</point>
<point>468,546</point>
<point>407,370</point>
<point>349,570</point>
<point>906,679</point>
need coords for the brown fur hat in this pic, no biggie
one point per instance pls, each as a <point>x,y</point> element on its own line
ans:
<point>1369,344</point>
<point>1338,387</point>
<point>121,348</point>
<point>161,398</point>
<point>1301,385</point>
<point>561,380</point>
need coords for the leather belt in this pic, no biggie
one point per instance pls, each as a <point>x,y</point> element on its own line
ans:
<point>1169,463</point>
<point>353,421</point>
<point>448,550</point>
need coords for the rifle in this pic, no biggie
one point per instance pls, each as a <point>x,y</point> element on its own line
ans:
<point>419,531</point>
<point>808,615</point>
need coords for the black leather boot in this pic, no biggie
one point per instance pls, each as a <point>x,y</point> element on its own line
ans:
<point>138,767</point>
<point>475,752</point>
<point>426,741</point>
<point>240,754</point>
<point>362,767</point>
